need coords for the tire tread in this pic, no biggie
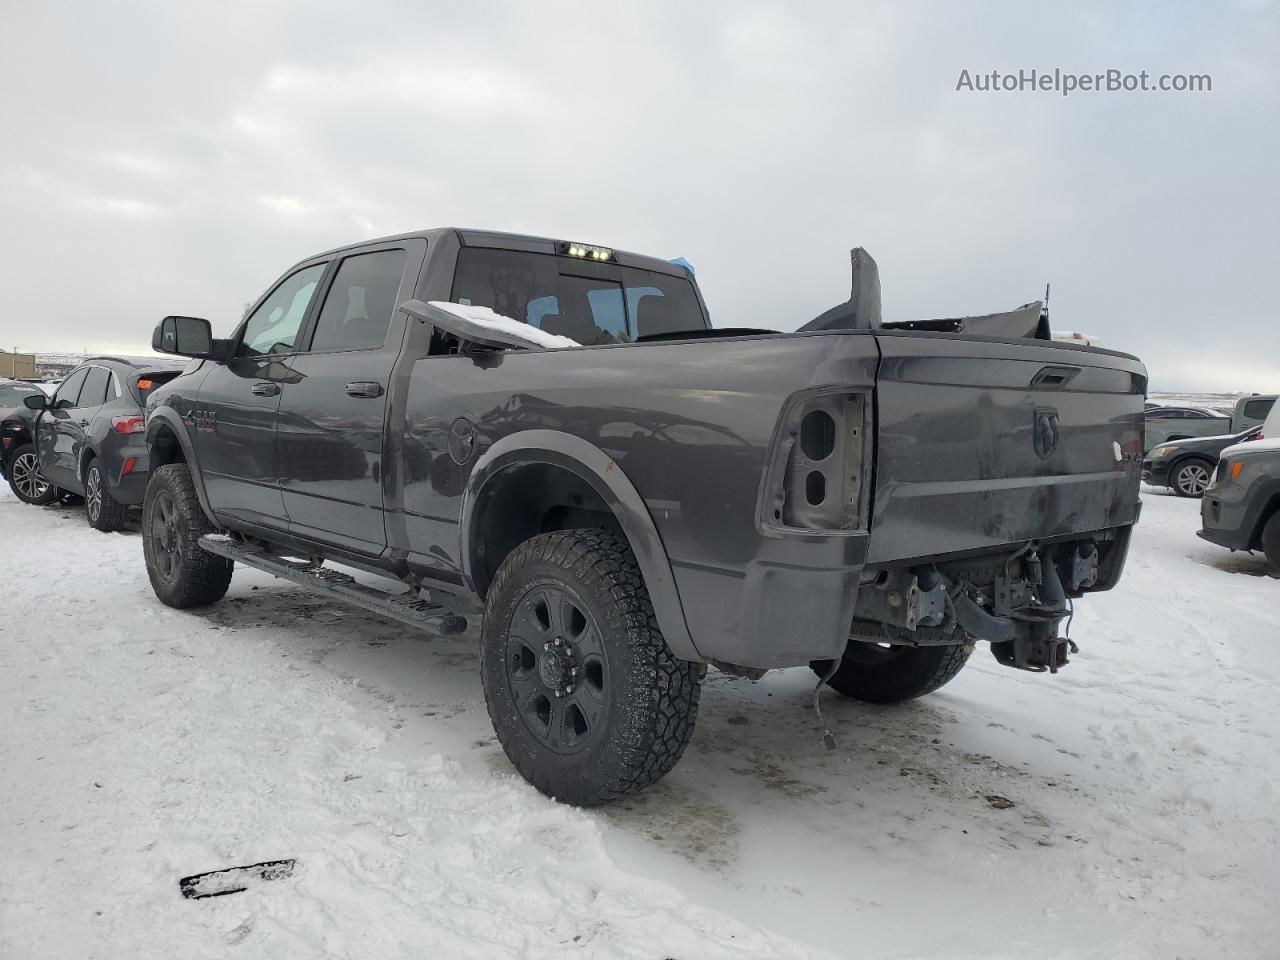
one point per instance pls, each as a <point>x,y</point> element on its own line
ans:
<point>205,576</point>
<point>665,694</point>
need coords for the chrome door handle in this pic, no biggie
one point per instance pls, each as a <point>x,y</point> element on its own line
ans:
<point>265,389</point>
<point>365,389</point>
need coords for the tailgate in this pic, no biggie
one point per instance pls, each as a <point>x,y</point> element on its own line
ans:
<point>983,443</point>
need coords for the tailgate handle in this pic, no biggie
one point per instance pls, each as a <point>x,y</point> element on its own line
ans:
<point>1054,378</point>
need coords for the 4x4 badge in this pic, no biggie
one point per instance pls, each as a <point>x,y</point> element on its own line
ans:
<point>1045,433</point>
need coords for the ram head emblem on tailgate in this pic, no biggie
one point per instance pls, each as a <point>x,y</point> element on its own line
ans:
<point>1046,432</point>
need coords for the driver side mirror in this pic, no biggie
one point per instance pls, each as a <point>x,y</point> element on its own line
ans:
<point>184,336</point>
<point>36,401</point>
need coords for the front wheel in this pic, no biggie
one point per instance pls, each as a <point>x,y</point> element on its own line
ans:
<point>25,479</point>
<point>182,575</point>
<point>585,696</point>
<point>1191,477</point>
<point>884,673</point>
<point>101,509</point>
<point>1271,540</point>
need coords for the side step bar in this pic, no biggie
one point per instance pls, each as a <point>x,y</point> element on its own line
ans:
<point>405,609</point>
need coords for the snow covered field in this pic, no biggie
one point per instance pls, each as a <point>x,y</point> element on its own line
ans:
<point>139,745</point>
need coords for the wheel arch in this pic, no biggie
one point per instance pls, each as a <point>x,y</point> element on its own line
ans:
<point>82,468</point>
<point>167,442</point>
<point>1270,507</point>
<point>564,481</point>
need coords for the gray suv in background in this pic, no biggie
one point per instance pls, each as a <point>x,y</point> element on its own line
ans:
<point>87,439</point>
<point>1240,509</point>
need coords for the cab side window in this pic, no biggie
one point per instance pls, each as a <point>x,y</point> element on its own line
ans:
<point>360,303</point>
<point>69,392</point>
<point>273,327</point>
<point>1258,409</point>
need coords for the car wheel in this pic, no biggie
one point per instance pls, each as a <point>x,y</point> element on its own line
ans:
<point>182,574</point>
<point>585,696</point>
<point>893,673</point>
<point>102,510</point>
<point>25,479</point>
<point>1271,540</point>
<point>1190,477</point>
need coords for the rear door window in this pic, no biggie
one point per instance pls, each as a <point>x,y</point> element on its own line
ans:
<point>94,391</point>
<point>358,308</point>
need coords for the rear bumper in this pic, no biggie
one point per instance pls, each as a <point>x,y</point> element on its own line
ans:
<point>127,471</point>
<point>791,604</point>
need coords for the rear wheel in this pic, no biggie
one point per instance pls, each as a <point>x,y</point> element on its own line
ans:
<point>102,510</point>
<point>25,479</point>
<point>182,575</point>
<point>585,696</point>
<point>1190,477</point>
<point>893,673</point>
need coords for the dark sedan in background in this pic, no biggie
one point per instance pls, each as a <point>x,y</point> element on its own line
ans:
<point>1186,466</point>
<point>87,439</point>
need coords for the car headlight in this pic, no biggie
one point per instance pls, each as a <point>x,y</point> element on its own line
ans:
<point>1159,453</point>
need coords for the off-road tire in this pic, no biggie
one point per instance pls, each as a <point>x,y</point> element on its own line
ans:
<point>647,698</point>
<point>182,575</point>
<point>1198,472</point>
<point>877,674</point>
<point>101,509</point>
<point>17,471</point>
<point>1271,540</point>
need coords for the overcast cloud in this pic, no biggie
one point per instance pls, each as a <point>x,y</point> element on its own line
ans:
<point>164,158</point>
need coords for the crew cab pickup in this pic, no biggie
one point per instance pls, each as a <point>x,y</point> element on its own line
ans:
<point>550,435</point>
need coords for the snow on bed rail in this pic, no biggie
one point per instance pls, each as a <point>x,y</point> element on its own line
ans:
<point>514,329</point>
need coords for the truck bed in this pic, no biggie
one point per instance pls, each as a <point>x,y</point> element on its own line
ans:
<point>700,428</point>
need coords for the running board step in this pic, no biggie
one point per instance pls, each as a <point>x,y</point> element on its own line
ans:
<point>416,613</point>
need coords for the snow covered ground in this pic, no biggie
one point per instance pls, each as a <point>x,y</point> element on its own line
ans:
<point>139,745</point>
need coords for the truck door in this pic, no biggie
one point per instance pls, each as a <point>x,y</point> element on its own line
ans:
<point>233,420</point>
<point>331,424</point>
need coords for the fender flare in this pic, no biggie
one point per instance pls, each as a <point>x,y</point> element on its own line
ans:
<point>165,417</point>
<point>602,472</point>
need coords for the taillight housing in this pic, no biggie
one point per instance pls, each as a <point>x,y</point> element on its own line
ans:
<point>818,476</point>
<point>128,424</point>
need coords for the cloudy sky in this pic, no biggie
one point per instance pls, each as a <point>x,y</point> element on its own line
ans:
<point>175,158</point>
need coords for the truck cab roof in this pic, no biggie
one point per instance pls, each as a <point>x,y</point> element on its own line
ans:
<point>496,239</point>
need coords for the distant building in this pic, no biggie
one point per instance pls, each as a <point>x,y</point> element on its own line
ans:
<point>17,366</point>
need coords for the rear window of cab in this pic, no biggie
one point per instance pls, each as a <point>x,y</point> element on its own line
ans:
<point>587,302</point>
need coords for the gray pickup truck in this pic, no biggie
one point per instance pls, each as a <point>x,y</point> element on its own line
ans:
<point>551,435</point>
